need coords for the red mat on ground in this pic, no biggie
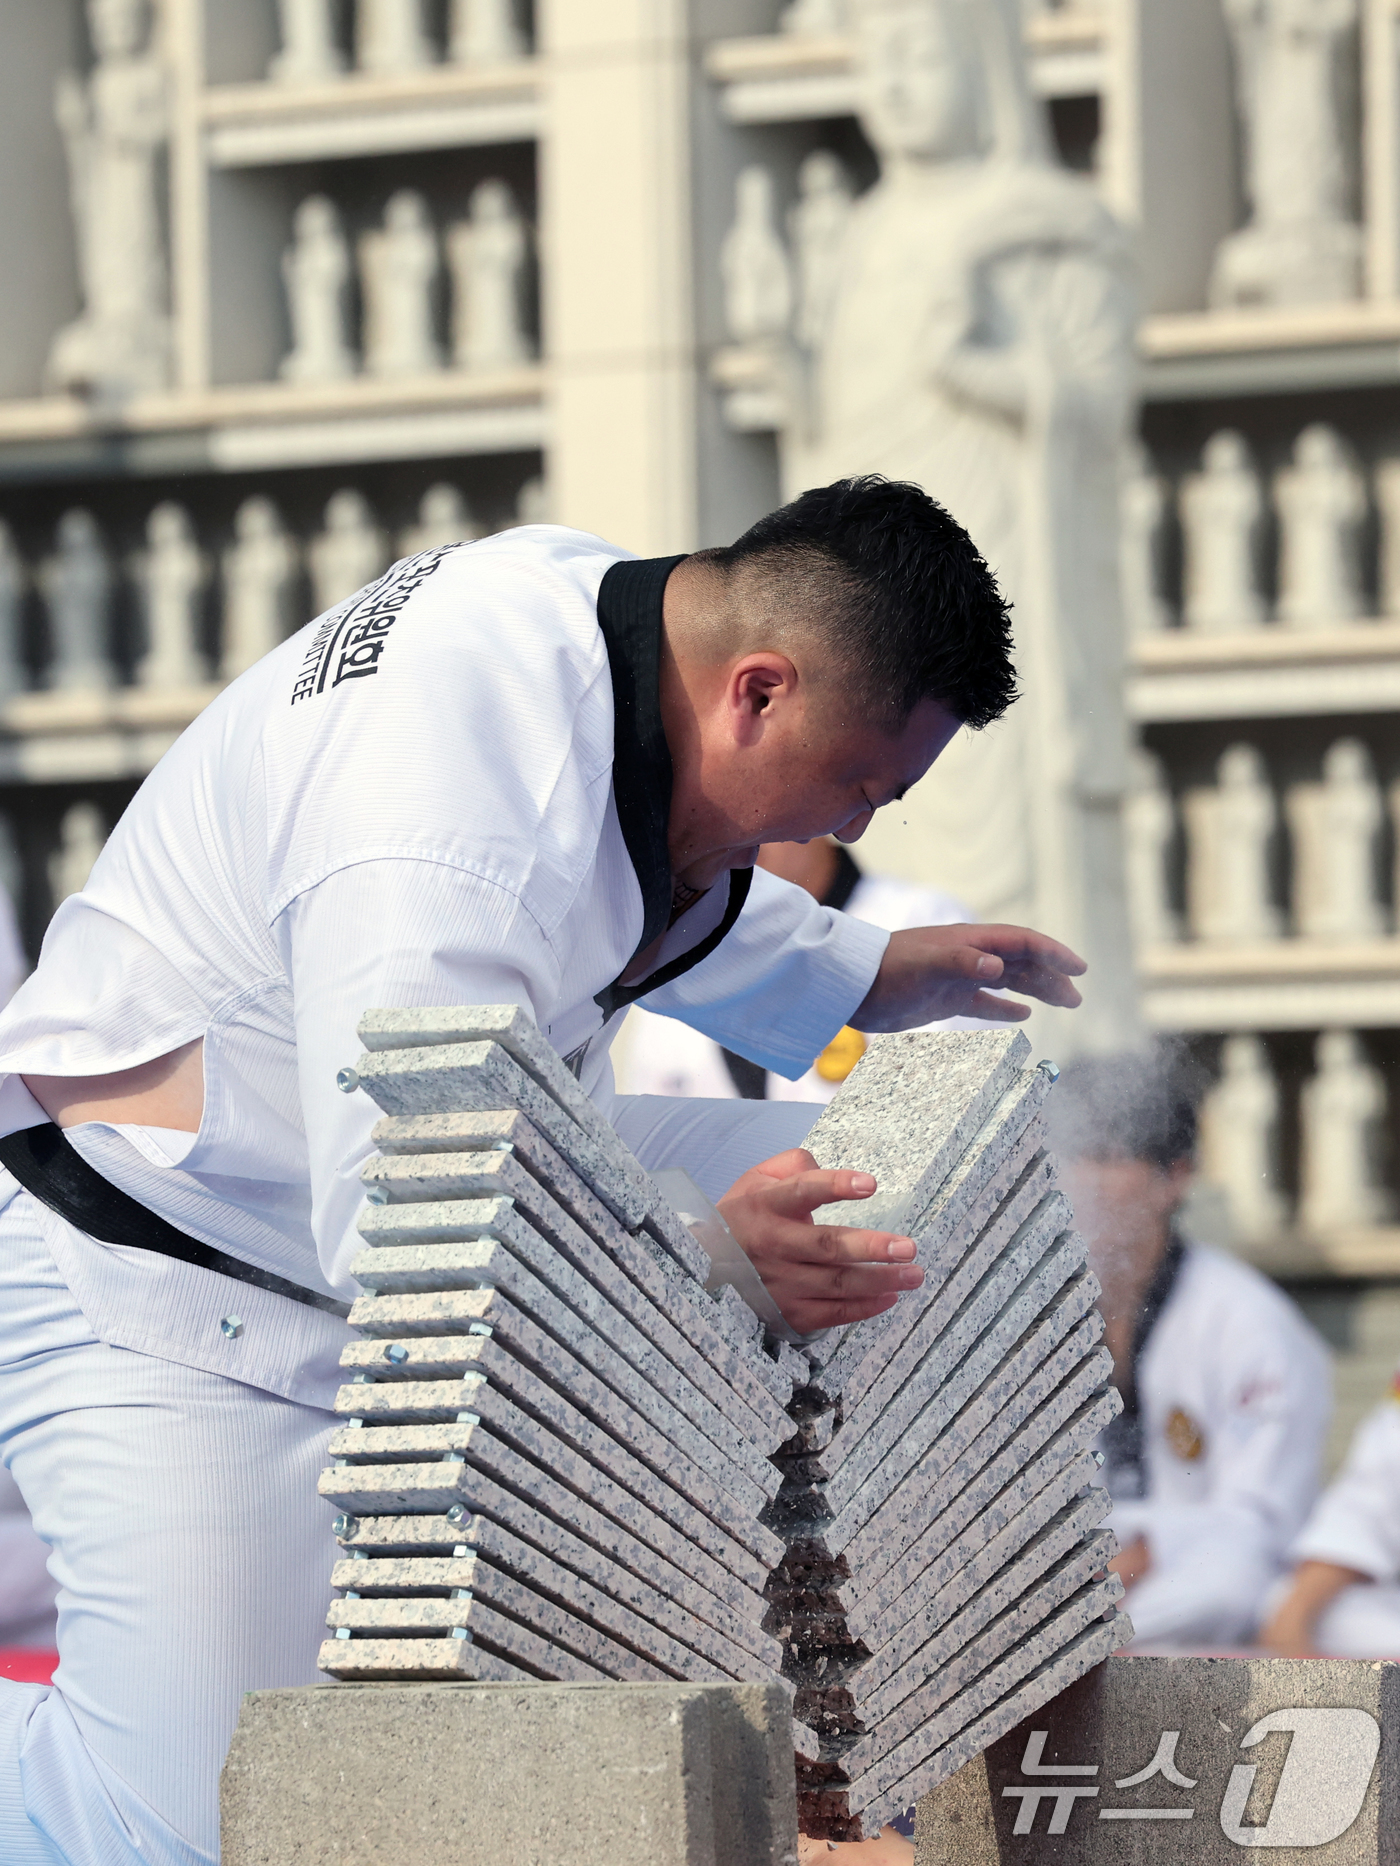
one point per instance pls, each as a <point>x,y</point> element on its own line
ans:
<point>27,1665</point>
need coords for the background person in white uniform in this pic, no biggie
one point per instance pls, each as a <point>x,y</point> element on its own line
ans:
<point>1342,1598</point>
<point>1214,1462</point>
<point>530,769</point>
<point>660,1056</point>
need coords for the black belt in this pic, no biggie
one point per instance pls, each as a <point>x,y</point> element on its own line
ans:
<point>46,1163</point>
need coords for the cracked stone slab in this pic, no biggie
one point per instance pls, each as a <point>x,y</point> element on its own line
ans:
<point>423,1460</point>
<point>410,1538</point>
<point>481,1241</point>
<point>602,1295</point>
<point>452,1576</point>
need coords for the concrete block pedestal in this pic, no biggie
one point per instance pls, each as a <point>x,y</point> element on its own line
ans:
<point>1187,1761</point>
<point>536,1775</point>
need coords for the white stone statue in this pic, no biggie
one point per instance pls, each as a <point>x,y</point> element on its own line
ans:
<point>1335,828</point>
<point>1343,1115</point>
<point>484,32</point>
<point>349,553</point>
<point>1321,500</point>
<point>390,36</point>
<point>444,517</point>
<point>754,264</point>
<point>816,228</point>
<point>399,267</point>
<point>532,502</point>
<point>489,255</point>
<point>171,574</point>
<point>1149,831</point>
<point>1239,1140</point>
<point>81,834</point>
<point>260,569</point>
<point>316,273</point>
<point>813,18</point>
<point>14,582</point>
<point>1387,483</point>
<point>1301,244</point>
<point>1221,510</point>
<point>1229,836</point>
<point>115,127</point>
<point>76,584</point>
<point>309,53</point>
<point>1144,501</point>
<point>980,341</point>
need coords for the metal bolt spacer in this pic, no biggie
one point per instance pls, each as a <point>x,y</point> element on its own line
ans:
<point>347,1080</point>
<point>344,1526</point>
<point>457,1513</point>
<point>1049,1070</point>
<point>1099,1459</point>
<point>460,1632</point>
<point>231,1327</point>
<point>480,1328</point>
<point>342,1632</point>
<point>377,1195</point>
<point>396,1352</point>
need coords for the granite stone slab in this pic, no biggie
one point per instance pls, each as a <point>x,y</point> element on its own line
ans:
<point>403,1622</point>
<point>1322,1774</point>
<point>352,1659</point>
<point>1034,1392</point>
<point>410,1537</point>
<point>603,1296</point>
<point>408,1489</point>
<point>455,1077</point>
<point>449,1575</point>
<point>425,1450</point>
<point>483,1242</point>
<point>981,1339</point>
<point>438,1402</point>
<point>1045,1332</point>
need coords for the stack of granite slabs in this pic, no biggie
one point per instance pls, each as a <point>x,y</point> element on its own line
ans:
<point>945,1572</point>
<point>557,1446</point>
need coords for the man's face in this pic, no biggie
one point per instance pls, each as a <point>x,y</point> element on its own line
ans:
<point>1123,1208</point>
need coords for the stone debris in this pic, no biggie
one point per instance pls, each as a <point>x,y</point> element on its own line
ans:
<point>562,1458</point>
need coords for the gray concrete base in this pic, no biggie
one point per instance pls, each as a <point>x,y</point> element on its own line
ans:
<point>1187,1761</point>
<point>533,1775</point>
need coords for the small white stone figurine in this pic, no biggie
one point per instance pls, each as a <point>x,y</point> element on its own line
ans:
<point>817,227</point>
<point>1229,832</point>
<point>171,574</point>
<point>1221,507</point>
<point>316,273</point>
<point>1343,1112</point>
<point>81,834</point>
<point>399,267</point>
<point>14,581</point>
<point>484,32</point>
<point>444,517</point>
<point>260,568</point>
<point>1321,501</point>
<point>390,36</point>
<point>1387,483</point>
<point>1240,1140</point>
<point>309,53</point>
<point>115,127</point>
<point>349,553</point>
<point>1335,828</point>
<point>76,584</point>
<point>754,264</point>
<point>488,253</point>
<point>1144,510</point>
<point>1149,830</point>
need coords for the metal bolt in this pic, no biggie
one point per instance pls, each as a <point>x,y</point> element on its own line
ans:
<point>347,1080</point>
<point>1099,1459</point>
<point>468,1418</point>
<point>377,1195</point>
<point>396,1352</point>
<point>1049,1069</point>
<point>503,1146</point>
<point>461,1593</point>
<point>351,1596</point>
<point>354,1422</point>
<point>362,1380</point>
<point>460,1632</point>
<point>457,1512</point>
<point>342,1632</point>
<point>461,1552</point>
<point>344,1526</point>
<point>231,1327</point>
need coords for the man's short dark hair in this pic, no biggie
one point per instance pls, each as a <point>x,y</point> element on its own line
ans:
<point>905,600</point>
<point>1140,1107</point>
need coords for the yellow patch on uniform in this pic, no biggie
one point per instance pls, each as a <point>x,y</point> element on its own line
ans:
<point>841,1055</point>
<point>1184,1436</point>
<point>1395,1387</point>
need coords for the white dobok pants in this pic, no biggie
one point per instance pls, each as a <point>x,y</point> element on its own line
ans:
<point>192,1553</point>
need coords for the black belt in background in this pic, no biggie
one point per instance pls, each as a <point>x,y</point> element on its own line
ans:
<point>46,1163</point>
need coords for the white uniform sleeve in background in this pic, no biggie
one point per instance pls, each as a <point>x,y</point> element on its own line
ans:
<point>1357,1520</point>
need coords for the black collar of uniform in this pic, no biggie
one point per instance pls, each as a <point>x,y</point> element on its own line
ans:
<point>845,881</point>
<point>629,615</point>
<point>1122,1437</point>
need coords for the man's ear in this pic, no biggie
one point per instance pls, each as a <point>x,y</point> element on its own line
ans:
<point>757,685</point>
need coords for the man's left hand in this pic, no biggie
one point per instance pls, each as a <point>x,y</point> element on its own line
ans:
<point>930,973</point>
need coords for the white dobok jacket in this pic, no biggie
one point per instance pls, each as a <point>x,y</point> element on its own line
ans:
<point>1356,1524</point>
<point>452,788</point>
<point>1234,1395</point>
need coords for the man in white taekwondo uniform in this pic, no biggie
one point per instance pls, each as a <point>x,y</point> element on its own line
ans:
<point>1214,1462</point>
<point>528,769</point>
<point>1343,1596</point>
